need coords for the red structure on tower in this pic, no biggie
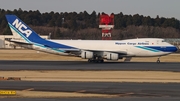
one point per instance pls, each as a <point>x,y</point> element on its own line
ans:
<point>106,22</point>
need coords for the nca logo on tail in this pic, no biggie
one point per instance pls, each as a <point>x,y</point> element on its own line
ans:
<point>22,28</point>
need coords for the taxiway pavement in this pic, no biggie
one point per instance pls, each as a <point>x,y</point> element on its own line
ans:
<point>130,91</point>
<point>83,65</point>
<point>121,89</point>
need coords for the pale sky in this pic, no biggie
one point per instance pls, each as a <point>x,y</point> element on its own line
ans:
<point>152,8</point>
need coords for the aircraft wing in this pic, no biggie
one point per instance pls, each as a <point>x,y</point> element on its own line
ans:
<point>67,50</point>
<point>118,52</point>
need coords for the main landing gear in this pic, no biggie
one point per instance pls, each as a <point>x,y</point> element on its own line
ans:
<point>158,60</point>
<point>96,60</point>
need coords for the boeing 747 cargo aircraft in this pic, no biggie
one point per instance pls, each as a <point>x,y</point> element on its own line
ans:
<point>93,50</point>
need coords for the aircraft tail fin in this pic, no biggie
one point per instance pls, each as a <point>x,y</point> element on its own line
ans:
<point>20,30</point>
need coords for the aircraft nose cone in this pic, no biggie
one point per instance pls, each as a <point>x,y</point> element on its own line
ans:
<point>174,49</point>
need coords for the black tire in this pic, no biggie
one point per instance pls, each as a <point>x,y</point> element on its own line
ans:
<point>102,61</point>
<point>89,60</point>
<point>99,61</point>
<point>158,61</point>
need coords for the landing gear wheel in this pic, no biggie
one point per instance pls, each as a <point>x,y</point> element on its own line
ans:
<point>158,61</point>
<point>89,60</point>
<point>101,61</point>
<point>95,61</point>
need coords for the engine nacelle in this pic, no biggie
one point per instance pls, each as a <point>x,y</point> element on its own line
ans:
<point>112,56</point>
<point>87,55</point>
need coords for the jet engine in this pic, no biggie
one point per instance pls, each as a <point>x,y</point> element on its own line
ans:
<point>112,56</point>
<point>87,55</point>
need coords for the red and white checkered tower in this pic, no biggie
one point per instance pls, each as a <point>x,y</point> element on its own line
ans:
<point>106,22</point>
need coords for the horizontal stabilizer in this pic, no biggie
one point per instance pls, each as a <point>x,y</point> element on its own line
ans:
<point>19,41</point>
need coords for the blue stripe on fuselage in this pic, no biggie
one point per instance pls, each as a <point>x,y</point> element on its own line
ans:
<point>146,48</point>
<point>164,48</point>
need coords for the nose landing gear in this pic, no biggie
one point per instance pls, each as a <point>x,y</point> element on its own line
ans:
<point>158,60</point>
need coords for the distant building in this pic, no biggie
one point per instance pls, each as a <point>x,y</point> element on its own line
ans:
<point>6,44</point>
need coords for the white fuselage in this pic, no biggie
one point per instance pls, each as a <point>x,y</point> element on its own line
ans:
<point>130,46</point>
